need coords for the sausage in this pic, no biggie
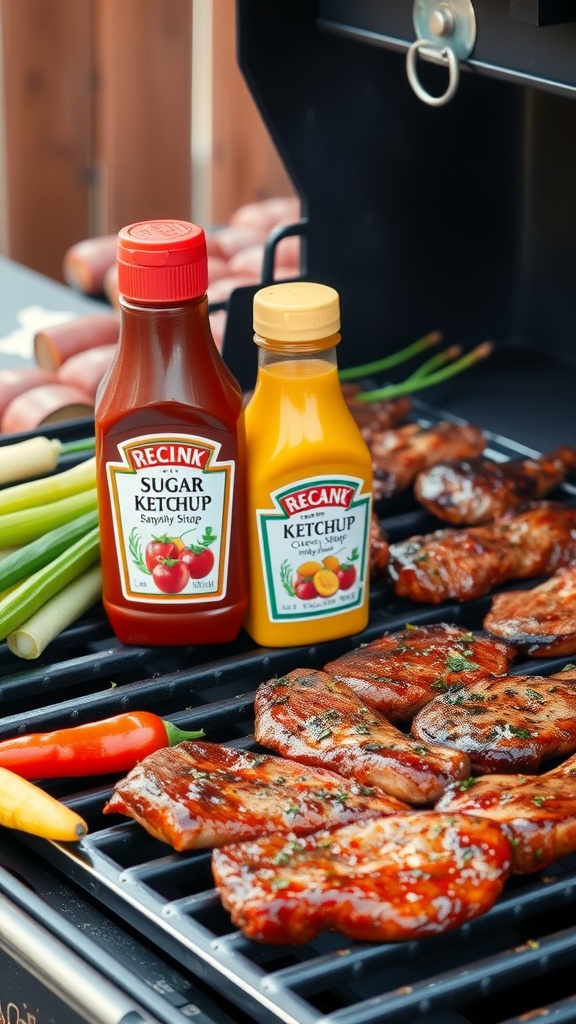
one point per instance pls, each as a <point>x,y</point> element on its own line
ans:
<point>86,369</point>
<point>85,263</point>
<point>15,380</point>
<point>47,403</point>
<point>221,290</point>
<point>232,239</point>
<point>111,286</point>
<point>267,213</point>
<point>54,345</point>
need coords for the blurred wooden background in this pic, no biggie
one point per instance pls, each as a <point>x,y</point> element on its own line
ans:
<point>121,110</point>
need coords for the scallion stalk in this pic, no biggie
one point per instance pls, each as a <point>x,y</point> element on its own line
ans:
<point>47,489</point>
<point>26,598</point>
<point>32,636</point>
<point>416,383</point>
<point>388,362</point>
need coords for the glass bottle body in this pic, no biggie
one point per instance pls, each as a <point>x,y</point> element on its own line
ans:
<point>309,490</point>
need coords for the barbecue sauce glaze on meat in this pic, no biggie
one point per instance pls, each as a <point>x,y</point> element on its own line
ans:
<point>375,416</point>
<point>386,880</point>
<point>504,724</point>
<point>472,491</point>
<point>199,795</point>
<point>467,563</point>
<point>309,716</point>
<point>540,621</point>
<point>398,455</point>
<point>400,672</point>
<point>536,812</point>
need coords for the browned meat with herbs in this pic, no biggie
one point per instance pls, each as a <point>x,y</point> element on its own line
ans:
<point>387,880</point>
<point>378,548</point>
<point>373,416</point>
<point>309,716</point>
<point>400,672</point>
<point>504,724</point>
<point>469,562</point>
<point>398,455</point>
<point>472,491</point>
<point>540,621</point>
<point>536,812</point>
<point>200,795</point>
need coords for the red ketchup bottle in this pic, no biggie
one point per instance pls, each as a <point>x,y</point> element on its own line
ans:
<point>170,452</point>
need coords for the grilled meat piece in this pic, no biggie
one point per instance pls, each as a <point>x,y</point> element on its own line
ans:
<point>504,724</point>
<point>472,491</point>
<point>402,671</point>
<point>385,880</point>
<point>540,621</point>
<point>375,416</point>
<point>467,563</point>
<point>536,812</point>
<point>199,795</point>
<point>378,548</point>
<point>311,717</point>
<point>399,455</point>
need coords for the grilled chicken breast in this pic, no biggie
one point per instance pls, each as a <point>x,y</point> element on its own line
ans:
<point>375,416</point>
<point>200,795</point>
<point>504,724</point>
<point>540,621</point>
<point>466,563</point>
<point>400,672</point>
<point>385,880</point>
<point>398,455</point>
<point>536,812</point>
<point>378,548</point>
<point>472,491</point>
<point>311,717</point>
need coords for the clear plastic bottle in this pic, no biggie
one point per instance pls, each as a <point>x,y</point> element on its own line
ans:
<point>309,476</point>
<point>170,452</point>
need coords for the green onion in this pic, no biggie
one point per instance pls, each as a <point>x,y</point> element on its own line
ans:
<point>28,524</point>
<point>49,488</point>
<point>436,361</point>
<point>37,589</point>
<point>405,387</point>
<point>32,636</point>
<point>85,444</point>
<point>36,456</point>
<point>388,362</point>
<point>33,556</point>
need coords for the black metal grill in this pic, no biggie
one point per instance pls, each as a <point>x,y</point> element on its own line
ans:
<point>507,963</point>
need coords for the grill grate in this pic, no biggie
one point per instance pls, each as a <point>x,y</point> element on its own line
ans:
<point>510,961</point>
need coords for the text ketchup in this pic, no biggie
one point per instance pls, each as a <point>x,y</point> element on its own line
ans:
<point>170,452</point>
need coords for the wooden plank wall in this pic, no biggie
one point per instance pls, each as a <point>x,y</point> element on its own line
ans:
<point>97,125</point>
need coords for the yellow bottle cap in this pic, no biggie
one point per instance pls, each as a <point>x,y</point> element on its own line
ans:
<point>297,311</point>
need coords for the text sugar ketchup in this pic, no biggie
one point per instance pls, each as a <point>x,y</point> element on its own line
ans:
<point>170,452</point>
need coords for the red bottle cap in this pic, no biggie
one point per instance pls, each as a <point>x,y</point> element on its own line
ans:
<point>162,261</point>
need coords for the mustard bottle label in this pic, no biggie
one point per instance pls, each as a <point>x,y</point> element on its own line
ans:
<point>314,548</point>
<point>171,509</point>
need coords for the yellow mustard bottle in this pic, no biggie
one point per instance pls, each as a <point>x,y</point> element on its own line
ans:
<point>309,477</point>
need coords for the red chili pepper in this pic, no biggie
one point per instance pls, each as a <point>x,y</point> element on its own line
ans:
<point>96,748</point>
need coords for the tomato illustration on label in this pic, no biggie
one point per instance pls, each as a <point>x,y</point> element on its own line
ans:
<point>314,579</point>
<point>158,550</point>
<point>171,562</point>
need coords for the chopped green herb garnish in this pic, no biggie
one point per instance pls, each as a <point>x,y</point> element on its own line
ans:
<point>457,663</point>
<point>467,783</point>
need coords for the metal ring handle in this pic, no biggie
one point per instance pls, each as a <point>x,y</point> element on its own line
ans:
<point>453,73</point>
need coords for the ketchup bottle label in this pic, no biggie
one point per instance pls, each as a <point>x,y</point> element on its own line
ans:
<point>315,548</point>
<point>171,509</point>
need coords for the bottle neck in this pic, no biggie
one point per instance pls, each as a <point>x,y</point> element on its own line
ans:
<point>271,352</point>
<point>138,307</point>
